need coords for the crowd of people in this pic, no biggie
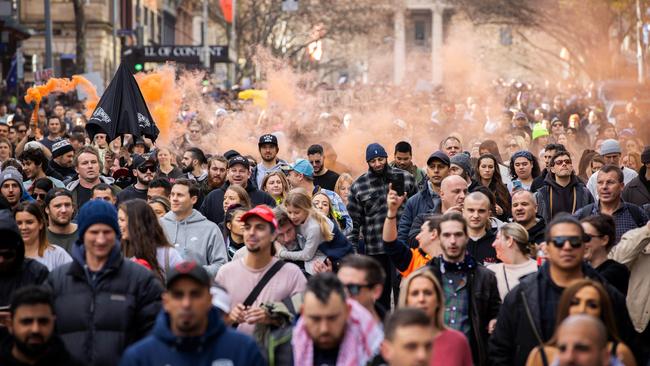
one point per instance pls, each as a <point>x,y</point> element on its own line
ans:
<point>526,245</point>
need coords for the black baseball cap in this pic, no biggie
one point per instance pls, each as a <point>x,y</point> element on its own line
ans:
<point>144,160</point>
<point>268,139</point>
<point>191,270</point>
<point>239,160</point>
<point>439,155</point>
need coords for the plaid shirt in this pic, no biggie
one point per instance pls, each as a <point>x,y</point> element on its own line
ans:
<point>623,217</point>
<point>454,284</point>
<point>367,207</point>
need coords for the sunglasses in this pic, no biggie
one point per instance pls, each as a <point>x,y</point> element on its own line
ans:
<point>355,290</point>
<point>559,162</point>
<point>22,131</point>
<point>147,168</point>
<point>574,241</point>
<point>39,196</point>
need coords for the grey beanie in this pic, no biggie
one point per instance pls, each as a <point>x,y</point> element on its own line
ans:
<point>11,173</point>
<point>463,161</point>
<point>610,146</point>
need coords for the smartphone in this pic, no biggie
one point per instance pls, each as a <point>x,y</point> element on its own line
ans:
<point>397,183</point>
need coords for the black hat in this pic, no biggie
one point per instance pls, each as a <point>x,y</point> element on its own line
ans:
<point>268,139</point>
<point>230,154</point>
<point>439,155</point>
<point>239,160</point>
<point>143,160</point>
<point>189,269</point>
<point>60,148</point>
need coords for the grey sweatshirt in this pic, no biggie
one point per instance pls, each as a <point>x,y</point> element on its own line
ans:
<point>196,239</point>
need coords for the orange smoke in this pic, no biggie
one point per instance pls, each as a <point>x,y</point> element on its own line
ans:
<point>62,85</point>
<point>162,96</point>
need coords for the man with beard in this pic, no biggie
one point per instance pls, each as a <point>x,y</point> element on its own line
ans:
<point>404,160</point>
<point>62,156</point>
<point>471,293</point>
<point>323,177</point>
<point>240,276</point>
<point>32,340</point>
<point>563,191</point>
<point>192,163</point>
<point>60,210</point>
<point>268,147</point>
<point>144,171</point>
<point>239,174</point>
<point>524,212</point>
<point>367,207</point>
<point>217,171</point>
<point>426,201</point>
<point>189,314</point>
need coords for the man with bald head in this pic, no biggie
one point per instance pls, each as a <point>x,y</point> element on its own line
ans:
<point>524,212</point>
<point>582,341</point>
<point>453,190</point>
<point>476,211</point>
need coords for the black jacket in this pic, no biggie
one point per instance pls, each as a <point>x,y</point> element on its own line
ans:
<point>561,199</point>
<point>516,334</point>
<point>64,173</point>
<point>56,355</point>
<point>212,207</point>
<point>484,303</point>
<point>23,271</point>
<point>99,314</point>
<point>637,190</point>
<point>424,202</point>
<point>537,232</point>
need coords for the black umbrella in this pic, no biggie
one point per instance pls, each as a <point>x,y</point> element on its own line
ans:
<point>122,110</point>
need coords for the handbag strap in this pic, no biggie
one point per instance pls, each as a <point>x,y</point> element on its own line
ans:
<point>250,299</point>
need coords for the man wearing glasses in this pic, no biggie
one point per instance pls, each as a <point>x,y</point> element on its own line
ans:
<point>562,191</point>
<point>527,316</point>
<point>363,279</point>
<point>145,169</point>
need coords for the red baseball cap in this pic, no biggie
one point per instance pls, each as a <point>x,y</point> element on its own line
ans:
<point>264,212</point>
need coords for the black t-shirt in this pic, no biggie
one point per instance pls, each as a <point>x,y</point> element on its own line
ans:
<point>482,249</point>
<point>327,180</point>
<point>325,357</point>
<point>549,296</point>
<point>83,195</point>
<point>616,274</point>
<point>130,193</point>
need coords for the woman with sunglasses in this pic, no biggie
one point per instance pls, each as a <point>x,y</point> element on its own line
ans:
<point>39,189</point>
<point>590,298</point>
<point>600,231</point>
<point>32,224</point>
<point>422,290</point>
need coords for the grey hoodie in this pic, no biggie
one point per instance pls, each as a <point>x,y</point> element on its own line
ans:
<point>197,239</point>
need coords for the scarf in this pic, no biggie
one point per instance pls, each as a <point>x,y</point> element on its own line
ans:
<point>360,343</point>
<point>465,266</point>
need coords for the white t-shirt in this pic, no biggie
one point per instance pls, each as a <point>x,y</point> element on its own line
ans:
<point>53,257</point>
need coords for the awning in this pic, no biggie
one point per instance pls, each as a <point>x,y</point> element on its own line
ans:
<point>19,31</point>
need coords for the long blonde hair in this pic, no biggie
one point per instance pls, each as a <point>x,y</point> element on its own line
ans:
<point>298,198</point>
<point>438,319</point>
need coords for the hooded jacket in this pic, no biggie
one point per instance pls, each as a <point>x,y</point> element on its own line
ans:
<point>538,231</point>
<point>637,190</point>
<point>23,271</point>
<point>65,173</point>
<point>212,206</point>
<point>516,334</point>
<point>57,354</point>
<point>73,185</point>
<point>219,345</point>
<point>552,198</point>
<point>99,314</point>
<point>197,239</point>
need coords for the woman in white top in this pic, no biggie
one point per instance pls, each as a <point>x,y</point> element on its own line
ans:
<point>513,250</point>
<point>313,229</point>
<point>143,237</point>
<point>33,229</point>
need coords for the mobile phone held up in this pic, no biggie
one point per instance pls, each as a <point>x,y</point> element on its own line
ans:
<point>397,183</point>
